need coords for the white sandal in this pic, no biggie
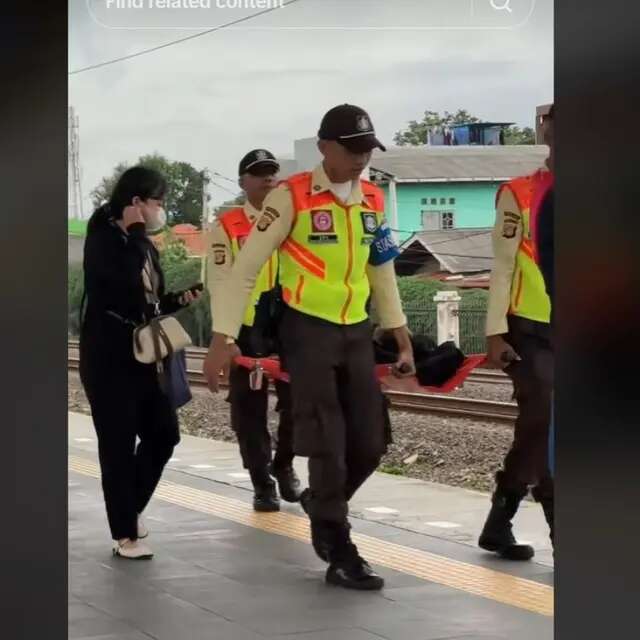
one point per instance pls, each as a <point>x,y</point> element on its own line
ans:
<point>132,550</point>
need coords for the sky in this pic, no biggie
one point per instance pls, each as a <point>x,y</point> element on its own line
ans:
<point>269,80</point>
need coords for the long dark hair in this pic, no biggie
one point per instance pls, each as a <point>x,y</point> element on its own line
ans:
<point>137,181</point>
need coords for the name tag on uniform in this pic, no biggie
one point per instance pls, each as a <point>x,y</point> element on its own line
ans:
<point>323,238</point>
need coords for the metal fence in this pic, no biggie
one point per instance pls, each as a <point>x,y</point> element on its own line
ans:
<point>422,319</point>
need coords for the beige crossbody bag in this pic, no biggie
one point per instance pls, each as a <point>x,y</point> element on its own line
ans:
<point>161,336</point>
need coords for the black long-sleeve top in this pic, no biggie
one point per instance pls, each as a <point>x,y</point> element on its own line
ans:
<point>115,292</point>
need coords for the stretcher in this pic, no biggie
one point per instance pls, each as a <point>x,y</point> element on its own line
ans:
<point>259,367</point>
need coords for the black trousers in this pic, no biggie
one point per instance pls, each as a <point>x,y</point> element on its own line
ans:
<point>249,421</point>
<point>339,415</point>
<point>526,464</point>
<point>127,404</point>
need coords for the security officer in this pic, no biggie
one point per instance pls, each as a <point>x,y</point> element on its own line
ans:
<point>518,341</point>
<point>258,170</point>
<point>335,251</point>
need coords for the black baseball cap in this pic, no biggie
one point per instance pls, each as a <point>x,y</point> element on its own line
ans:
<point>258,159</point>
<point>350,126</point>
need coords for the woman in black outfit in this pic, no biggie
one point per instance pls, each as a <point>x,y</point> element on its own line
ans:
<point>124,287</point>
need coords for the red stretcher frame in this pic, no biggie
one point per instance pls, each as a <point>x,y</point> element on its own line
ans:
<point>384,373</point>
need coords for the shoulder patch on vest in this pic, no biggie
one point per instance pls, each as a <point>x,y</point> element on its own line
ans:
<point>266,219</point>
<point>509,228</point>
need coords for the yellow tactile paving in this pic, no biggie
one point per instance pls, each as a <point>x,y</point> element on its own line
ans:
<point>479,581</point>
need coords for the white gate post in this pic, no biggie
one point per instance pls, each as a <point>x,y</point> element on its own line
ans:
<point>447,314</point>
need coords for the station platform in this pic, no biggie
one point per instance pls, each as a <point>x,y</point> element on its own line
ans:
<point>223,572</point>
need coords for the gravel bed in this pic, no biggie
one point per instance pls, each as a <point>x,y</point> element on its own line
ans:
<point>459,452</point>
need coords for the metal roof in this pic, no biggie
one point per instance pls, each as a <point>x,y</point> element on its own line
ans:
<point>459,163</point>
<point>457,250</point>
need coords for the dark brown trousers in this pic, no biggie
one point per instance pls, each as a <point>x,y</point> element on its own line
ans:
<point>526,463</point>
<point>339,415</point>
<point>249,421</point>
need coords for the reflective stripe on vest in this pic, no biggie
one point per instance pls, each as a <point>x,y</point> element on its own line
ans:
<point>237,227</point>
<point>529,298</point>
<point>324,259</point>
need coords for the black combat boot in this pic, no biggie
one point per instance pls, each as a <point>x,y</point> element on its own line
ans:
<point>288,482</point>
<point>545,497</point>
<point>320,533</point>
<point>496,534</point>
<point>265,497</point>
<point>347,568</point>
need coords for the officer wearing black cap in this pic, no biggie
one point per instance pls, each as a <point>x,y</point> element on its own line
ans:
<point>335,251</point>
<point>258,170</point>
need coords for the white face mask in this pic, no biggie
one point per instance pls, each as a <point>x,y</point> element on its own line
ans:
<point>157,221</point>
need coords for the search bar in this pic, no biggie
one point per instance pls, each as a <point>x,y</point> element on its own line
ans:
<point>342,15</point>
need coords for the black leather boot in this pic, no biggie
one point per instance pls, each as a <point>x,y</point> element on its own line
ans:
<point>347,568</point>
<point>265,497</point>
<point>497,535</point>
<point>288,483</point>
<point>545,498</point>
<point>320,534</point>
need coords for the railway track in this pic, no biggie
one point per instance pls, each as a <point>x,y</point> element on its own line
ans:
<point>418,403</point>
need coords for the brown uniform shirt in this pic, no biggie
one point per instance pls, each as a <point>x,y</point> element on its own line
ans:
<point>506,237</point>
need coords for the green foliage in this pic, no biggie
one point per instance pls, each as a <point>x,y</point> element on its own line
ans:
<point>415,292</point>
<point>75,288</point>
<point>516,135</point>
<point>174,251</point>
<point>77,227</point>
<point>417,301</point>
<point>416,133</point>
<point>183,201</point>
<point>102,192</point>
<point>180,274</point>
<point>392,469</point>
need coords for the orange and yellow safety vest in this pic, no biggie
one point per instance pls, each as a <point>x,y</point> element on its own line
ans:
<point>237,227</point>
<point>529,298</point>
<point>324,259</point>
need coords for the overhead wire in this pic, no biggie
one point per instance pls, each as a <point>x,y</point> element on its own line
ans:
<point>179,40</point>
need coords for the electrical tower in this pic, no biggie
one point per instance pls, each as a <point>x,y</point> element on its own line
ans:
<point>75,183</point>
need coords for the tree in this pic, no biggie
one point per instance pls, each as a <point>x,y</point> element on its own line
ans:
<point>416,133</point>
<point>102,192</point>
<point>183,200</point>
<point>515,135</point>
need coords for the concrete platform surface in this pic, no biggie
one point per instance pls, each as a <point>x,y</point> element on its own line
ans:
<point>224,572</point>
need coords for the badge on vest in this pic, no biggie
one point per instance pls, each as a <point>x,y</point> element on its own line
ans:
<point>321,221</point>
<point>369,221</point>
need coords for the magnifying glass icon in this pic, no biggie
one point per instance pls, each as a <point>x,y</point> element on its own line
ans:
<point>505,5</point>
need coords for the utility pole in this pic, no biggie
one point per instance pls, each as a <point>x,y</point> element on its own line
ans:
<point>74,164</point>
<point>204,222</point>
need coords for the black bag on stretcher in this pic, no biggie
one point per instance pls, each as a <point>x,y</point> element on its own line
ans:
<point>270,367</point>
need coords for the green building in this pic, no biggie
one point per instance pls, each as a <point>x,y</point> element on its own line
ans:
<point>438,188</point>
